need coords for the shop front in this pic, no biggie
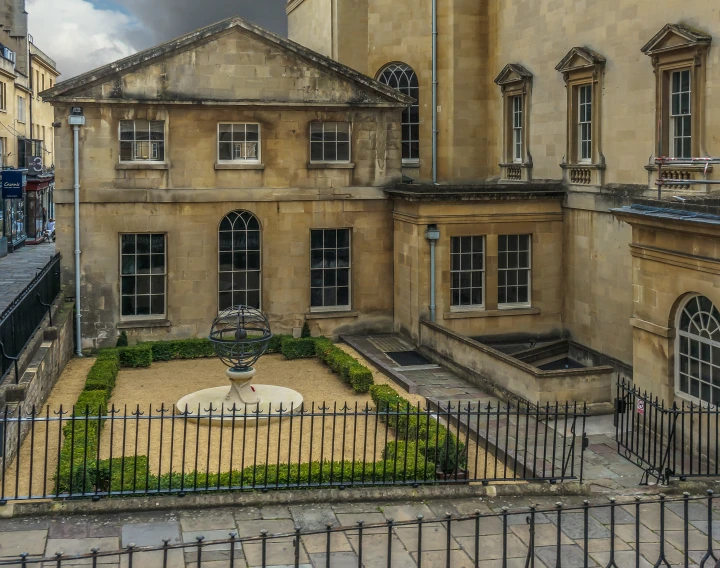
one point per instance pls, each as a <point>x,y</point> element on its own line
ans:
<point>38,207</point>
<point>14,202</point>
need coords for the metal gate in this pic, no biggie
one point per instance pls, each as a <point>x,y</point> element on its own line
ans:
<point>666,441</point>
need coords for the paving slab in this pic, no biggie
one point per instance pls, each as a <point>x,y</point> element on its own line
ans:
<point>72,546</point>
<point>207,520</point>
<point>277,554</point>
<point>192,537</point>
<point>272,526</point>
<point>31,542</point>
<point>571,556</point>
<point>375,548</point>
<point>437,559</point>
<point>337,560</point>
<point>149,534</point>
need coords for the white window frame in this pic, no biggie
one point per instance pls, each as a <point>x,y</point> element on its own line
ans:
<point>143,317</point>
<point>234,160</point>
<point>511,305</point>
<point>517,128</point>
<point>240,212</point>
<point>336,308</point>
<point>483,271</point>
<point>679,117</point>
<point>680,336</point>
<point>152,148</point>
<point>587,107</point>
<point>349,142</point>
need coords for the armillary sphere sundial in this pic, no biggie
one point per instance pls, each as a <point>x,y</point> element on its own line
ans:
<point>240,336</point>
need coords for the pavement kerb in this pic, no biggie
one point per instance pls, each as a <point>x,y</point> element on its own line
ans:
<point>49,507</point>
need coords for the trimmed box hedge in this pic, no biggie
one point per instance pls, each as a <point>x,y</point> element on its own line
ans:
<point>358,376</point>
<point>302,348</point>
<point>136,356</point>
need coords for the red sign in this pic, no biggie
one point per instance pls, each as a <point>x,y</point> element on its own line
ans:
<point>641,406</point>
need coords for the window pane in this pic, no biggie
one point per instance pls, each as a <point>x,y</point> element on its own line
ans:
<point>225,132</point>
<point>143,305</point>
<point>343,151</point>
<point>143,284</point>
<point>128,244</point>
<point>127,284</point>
<point>157,130</point>
<point>225,151</point>
<point>316,297</point>
<point>316,151</point>
<point>330,239</point>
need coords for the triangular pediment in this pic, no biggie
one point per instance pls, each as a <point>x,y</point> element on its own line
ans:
<point>513,73</point>
<point>579,58</point>
<point>675,36</point>
<point>234,62</point>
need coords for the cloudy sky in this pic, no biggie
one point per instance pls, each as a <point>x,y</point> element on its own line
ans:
<point>83,34</point>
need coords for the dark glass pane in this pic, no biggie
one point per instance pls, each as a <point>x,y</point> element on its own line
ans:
<point>466,262</point>
<point>502,278</point>
<point>143,284</point>
<point>465,244</point>
<point>316,258</point>
<point>343,238</point>
<point>524,260</point>
<point>684,320</point>
<point>143,263</point>
<point>684,384</point>
<point>511,276</point>
<point>316,151</point>
<point>477,279</point>
<point>143,305</point>
<point>502,295</point>
<point>502,260</point>
<point>330,297</point>
<point>225,281</point>
<point>157,130</point>
<point>343,132</point>
<point>316,278</point>
<point>502,243</point>
<point>226,224</point>
<point>329,278</point>
<point>512,242</point>
<point>128,305</point>
<point>127,130</point>
<point>252,132</point>
<point>253,280</point>
<point>239,260</point>
<point>512,295</point>
<point>465,296</point>
<point>343,151</point>
<point>329,259</point>
<point>316,239</point>
<point>477,296</point>
<point>406,132</point>
<point>695,388</point>
<point>239,240</point>
<point>477,244</point>
<point>523,277</point>
<point>523,295</point>
<point>330,239</point>
<point>253,240</point>
<point>253,299</point>
<point>454,280</point>
<point>126,154</point>
<point>512,259</point>
<point>225,132</point>
<point>406,152</point>
<point>343,257</point>
<point>239,298</point>
<point>158,243</point>
<point>224,300</point>
<point>465,280</point>
<point>316,132</point>
<point>414,114</point>
<point>239,281</point>
<point>158,263</point>
<point>454,245</point>
<point>128,244</point>
<point>343,296</point>
<point>455,262</point>
<point>128,284</point>
<point>128,264</point>
<point>225,151</point>
<point>316,297</point>
<point>415,132</point>
<point>330,152</point>
<point>253,260</point>
<point>455,300</point>
<point>157,284</point>
<point>477,262</point>
<point>157,305</point>
<point>143,243</point>
<point>226,261</point>
<point>343,278</point>
<point>253,224</point>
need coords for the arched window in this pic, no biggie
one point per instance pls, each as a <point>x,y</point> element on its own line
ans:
<point>698,350</point>
<point>401,77</point>
<point>239,260</point>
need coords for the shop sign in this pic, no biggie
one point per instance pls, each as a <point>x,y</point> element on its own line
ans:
<point>12,184</point>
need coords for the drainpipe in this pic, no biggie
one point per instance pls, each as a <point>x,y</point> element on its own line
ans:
<point>76,120</point>
<point>434,92</point>
<point>432,234</point>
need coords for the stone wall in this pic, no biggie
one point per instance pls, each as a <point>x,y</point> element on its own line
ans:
<point>496,370</point>
<point>310,24</point>
<point>41,364</point>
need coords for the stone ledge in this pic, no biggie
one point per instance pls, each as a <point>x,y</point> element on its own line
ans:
<point>139,324</point>
<point>492,313</point>
<point>331,315</point>
<point>142,166</point>
<point>239,166</point>
<point>653,328</point>
<point>331,166</point>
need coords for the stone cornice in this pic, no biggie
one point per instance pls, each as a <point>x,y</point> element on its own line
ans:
<point>478,219</point>
<point>675,258</point>
<point>292,5</point>
<point>691,225</point>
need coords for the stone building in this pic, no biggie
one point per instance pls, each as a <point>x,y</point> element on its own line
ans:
<point>26,126</point>
<point>541,260</point>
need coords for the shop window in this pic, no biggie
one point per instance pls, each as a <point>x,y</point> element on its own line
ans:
<point>697,351</point>
<point>516,84</point>
<point>143,275</point>
<point>329,142</point>
<point>514,258</point>
<point>142,140</point>
<point>582,70</point>
<point>239,261</point>
<point>330,269</point>
<point>402,78</point>
<point>679,57</point>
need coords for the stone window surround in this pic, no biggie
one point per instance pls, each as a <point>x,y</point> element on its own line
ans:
<point>515,80</point>
<point>491,307</point>
<point>674,48</point>
<point>582,66</point>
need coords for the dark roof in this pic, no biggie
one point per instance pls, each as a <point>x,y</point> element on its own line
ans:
<point>149,55</point>
<point>477,192</point>
<point>669,213</point>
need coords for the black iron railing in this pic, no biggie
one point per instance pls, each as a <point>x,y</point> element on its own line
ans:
<point>154,449</point>
<point>20,320</point>
<point>375,544</point>
<point>667,441</point>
